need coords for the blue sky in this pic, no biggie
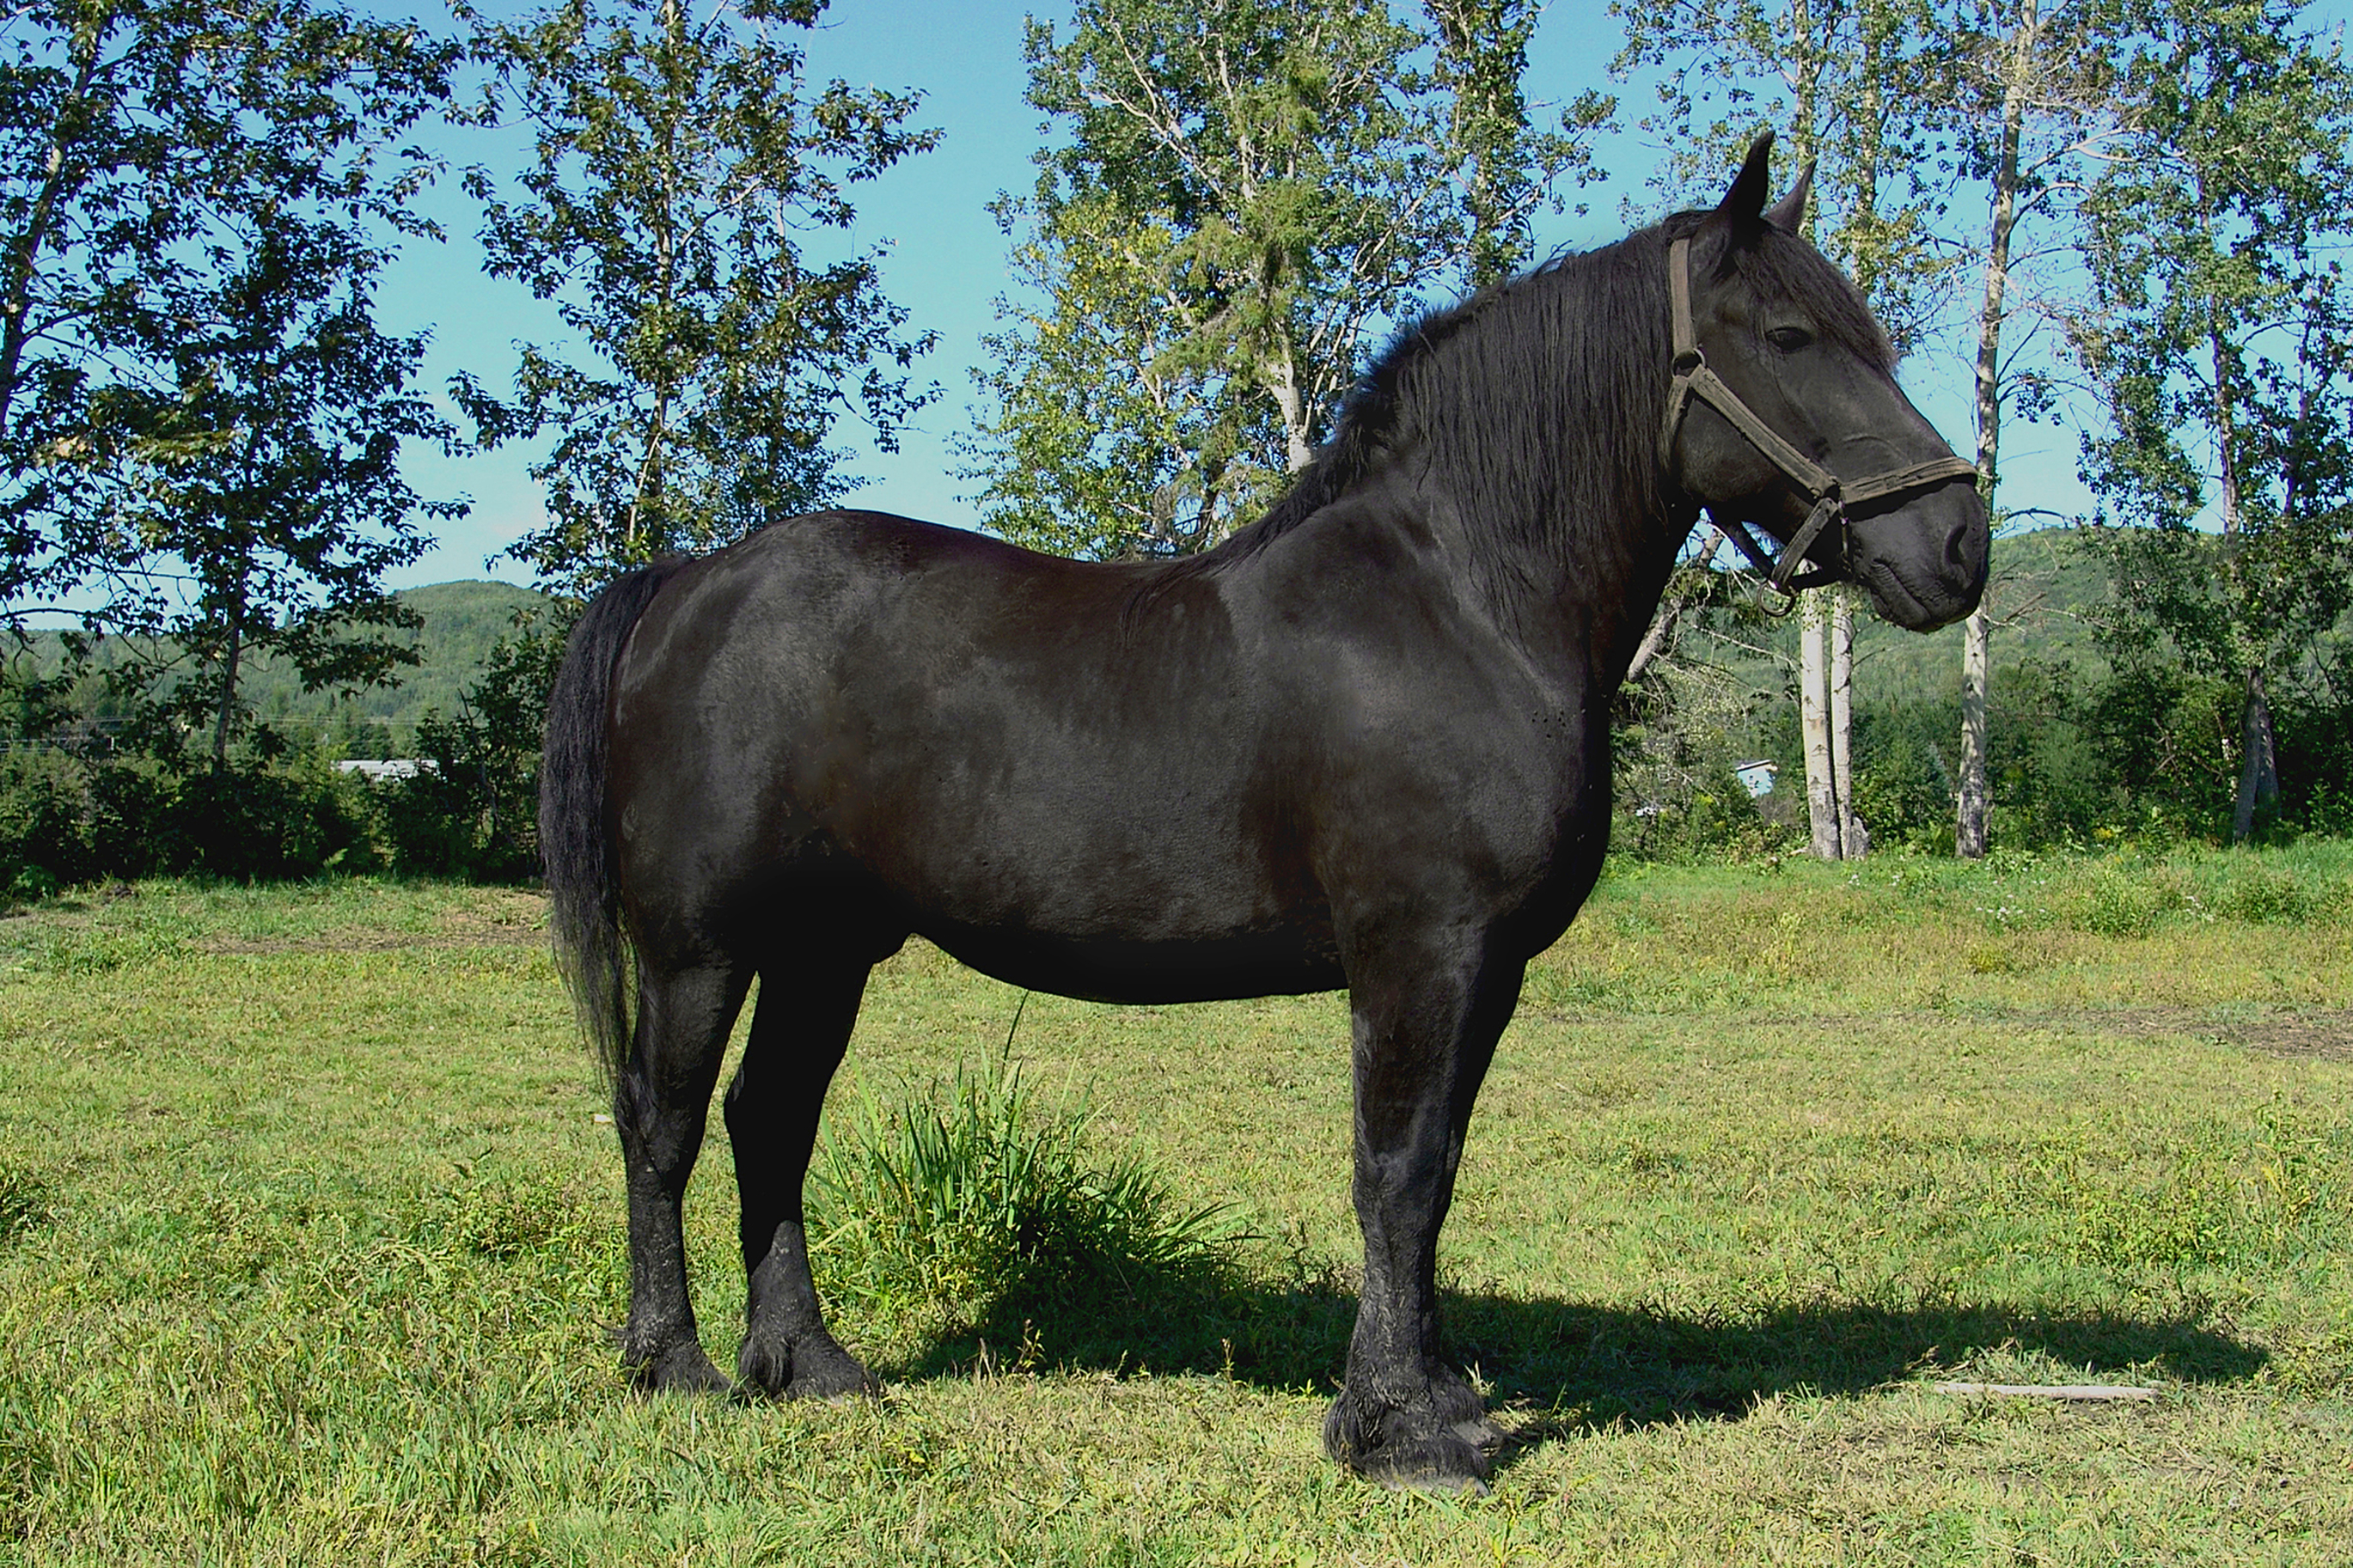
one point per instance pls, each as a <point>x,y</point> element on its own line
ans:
<point>946,261</point>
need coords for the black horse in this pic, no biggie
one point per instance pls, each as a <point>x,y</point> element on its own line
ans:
<point>1364,742</point>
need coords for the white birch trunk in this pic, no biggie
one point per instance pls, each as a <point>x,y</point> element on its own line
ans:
<point>1814,718</point>
<point>1973,797</point>
<point>1841,726</point>
<point>1282,380</point>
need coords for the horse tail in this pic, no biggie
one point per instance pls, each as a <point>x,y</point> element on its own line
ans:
<point>575,841</point>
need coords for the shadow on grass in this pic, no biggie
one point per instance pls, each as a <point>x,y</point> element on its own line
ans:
<point>1585,1367</point>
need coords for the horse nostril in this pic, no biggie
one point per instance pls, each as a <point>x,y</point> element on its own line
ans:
<point>1969,550</point>
<point>1965,549</point>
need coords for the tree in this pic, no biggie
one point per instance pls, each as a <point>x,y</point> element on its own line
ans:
<point>2221,352</point>
<point>1844,82</point>
<point>269,494</point>
<point>2030,92</point>
<point>1247,187</point>
<point>674,163</point>
<point>200,418</point>
<point>1106,438</point>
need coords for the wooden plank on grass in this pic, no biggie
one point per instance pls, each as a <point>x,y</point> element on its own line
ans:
<point>2048,1390</point>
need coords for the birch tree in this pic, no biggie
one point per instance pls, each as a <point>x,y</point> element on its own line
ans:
<point>675,161</point>
<point>2221,352</point>
<point>1244,191</point>
<point>2029,88</point>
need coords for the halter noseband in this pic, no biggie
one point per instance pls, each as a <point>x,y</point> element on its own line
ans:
<point>1830,494</point>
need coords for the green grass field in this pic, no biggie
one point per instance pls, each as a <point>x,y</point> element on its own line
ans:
<point>311,1245</point>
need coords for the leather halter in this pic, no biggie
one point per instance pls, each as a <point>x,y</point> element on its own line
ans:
<point>1830,494</point>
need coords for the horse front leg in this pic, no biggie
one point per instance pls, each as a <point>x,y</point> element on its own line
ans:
<point>661,1100</point>
<point>1426,1017</point>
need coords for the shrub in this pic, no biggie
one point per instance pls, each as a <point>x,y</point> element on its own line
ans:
<point>42,838</point>
<point>67,820</point>
<point>1903,782</point>
<point>262,823</point>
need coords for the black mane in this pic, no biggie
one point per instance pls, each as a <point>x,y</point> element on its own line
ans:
<point>1540,397</point>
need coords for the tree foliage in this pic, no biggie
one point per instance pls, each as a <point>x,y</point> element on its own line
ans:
<point>200,417</point>
<point>2223,351</point>
<point>1245,189</point>
<point>675,163</point>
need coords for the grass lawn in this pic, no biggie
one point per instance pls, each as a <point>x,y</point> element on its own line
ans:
<point>310,1242</point>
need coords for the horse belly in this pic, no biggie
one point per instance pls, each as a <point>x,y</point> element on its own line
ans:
<point>1282,961</point>
<point>1094,871</point>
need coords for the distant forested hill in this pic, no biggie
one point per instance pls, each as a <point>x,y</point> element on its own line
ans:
<point>2044,586</point>
<point>463,621</point>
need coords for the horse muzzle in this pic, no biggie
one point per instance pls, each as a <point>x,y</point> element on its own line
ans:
<point>1922,563</point>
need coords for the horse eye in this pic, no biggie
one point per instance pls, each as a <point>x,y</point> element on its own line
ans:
<point>1790,340</point>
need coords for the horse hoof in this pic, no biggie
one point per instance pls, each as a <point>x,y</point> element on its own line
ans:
<point>677,1369</point>
<point>1439,1462</point>
<point>834,1378</point>
<point>1481,1434</point>
<point>812,1368</point>
<point>1438,1439</point>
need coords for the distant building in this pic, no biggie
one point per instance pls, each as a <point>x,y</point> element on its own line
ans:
<point>376,771</point>
<point>1757,778</point>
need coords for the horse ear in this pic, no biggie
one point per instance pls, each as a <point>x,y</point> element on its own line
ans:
<point>1788,214</point>
<point>1745,201</point>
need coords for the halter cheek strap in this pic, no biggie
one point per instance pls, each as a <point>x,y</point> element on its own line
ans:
<point>1831,495</point>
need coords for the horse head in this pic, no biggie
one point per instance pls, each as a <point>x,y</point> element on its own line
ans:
<point>1785,416</point>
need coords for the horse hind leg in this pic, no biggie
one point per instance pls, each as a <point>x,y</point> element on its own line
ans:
<point>661,1098</point>
<point>800,1027</point>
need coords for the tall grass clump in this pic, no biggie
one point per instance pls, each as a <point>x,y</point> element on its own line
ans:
<point>974,1208</point>
<point>23,1202</point>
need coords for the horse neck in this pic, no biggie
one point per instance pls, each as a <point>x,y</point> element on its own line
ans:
<point>1592,606</point>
